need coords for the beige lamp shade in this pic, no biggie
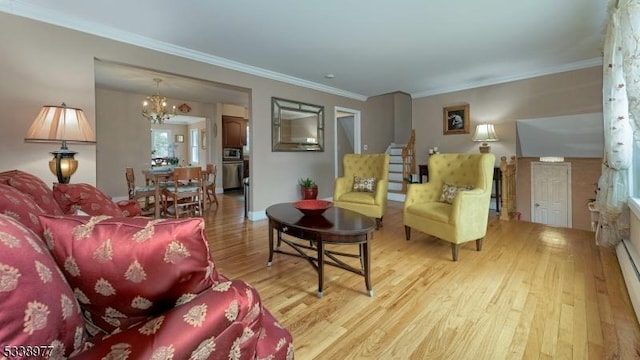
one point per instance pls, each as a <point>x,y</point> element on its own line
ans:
<point>64,124</point>
<point>485,133</point>
<point>61,123</point>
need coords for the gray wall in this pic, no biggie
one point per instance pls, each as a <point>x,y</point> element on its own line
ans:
<point>401,117</point>
<point>45,64</point>
<point>568,93</point>
<point>123,138</point>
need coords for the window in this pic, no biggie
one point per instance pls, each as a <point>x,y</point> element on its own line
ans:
<point>160,143</point>
<point>194,154</point>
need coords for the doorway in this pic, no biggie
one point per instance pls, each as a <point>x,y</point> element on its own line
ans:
<point>347,135</point>
<point>550,193</point>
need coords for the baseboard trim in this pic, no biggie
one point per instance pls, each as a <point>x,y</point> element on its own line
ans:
<point>628,258</point>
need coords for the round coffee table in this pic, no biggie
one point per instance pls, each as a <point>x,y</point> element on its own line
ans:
<point>335,226</point>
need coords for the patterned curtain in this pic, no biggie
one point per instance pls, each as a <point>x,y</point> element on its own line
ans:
<point>621,97</point>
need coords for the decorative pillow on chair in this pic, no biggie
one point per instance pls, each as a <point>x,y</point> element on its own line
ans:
<point>449,192</point>
<point>21,207</point>
<point>123,270</point>
<point>361,184</point>
<point>85,197</point>
<point>38,305</point>
<point>37,189</point>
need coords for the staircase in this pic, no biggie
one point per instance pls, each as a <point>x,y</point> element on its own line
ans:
<point>401,165</point>
<point>395,168</point>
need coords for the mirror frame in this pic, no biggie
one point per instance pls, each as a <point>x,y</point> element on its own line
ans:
<point>277,142</point>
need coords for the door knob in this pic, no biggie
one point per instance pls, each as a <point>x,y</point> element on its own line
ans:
<point>536,204</point>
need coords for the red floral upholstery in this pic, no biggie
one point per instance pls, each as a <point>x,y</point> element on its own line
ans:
<point>129,208</point>
<point>38,307</point>
<point>85,197</point>
<point>223,323</point>
<point>281,346</point>
<point>193,311</point>
<point>37,189</point>
<point>124,269</point>
<point>21,207</point>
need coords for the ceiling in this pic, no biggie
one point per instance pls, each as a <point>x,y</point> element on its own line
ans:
<point>356,48</point>
<point>137,80</point>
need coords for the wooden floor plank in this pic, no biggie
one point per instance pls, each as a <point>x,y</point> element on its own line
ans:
<point>533,292</point>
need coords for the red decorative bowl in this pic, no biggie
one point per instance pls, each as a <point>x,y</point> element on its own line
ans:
<point>312,207</point>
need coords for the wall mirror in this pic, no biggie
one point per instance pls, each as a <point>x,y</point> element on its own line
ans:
<point>296,126</point>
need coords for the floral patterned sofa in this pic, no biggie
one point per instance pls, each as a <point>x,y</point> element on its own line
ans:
<point>114,287</point>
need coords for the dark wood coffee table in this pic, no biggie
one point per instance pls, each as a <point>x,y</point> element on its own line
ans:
<point>335,226</point>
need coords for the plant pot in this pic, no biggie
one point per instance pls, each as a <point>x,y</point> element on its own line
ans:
<point>309,193</point>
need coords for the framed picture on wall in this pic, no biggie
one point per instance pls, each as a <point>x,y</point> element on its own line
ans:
<point>179,138</point>
<point>203,139</point>
<point>456,119</point>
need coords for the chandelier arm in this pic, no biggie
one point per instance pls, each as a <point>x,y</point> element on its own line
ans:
<point>154,108</point>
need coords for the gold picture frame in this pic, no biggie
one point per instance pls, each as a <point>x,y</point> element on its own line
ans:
<point>203,139</point>
<point>179,138</point>
<point>456,119</point>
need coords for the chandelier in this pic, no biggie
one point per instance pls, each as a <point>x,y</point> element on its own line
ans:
<point>154,108</point>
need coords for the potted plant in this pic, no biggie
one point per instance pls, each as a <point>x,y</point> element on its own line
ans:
<point>308,189</point>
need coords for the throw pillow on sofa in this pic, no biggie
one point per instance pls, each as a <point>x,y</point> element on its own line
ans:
<point>38,306</point>
<point>21,207</point>
<point>85,197</point>
<point>37,189</point>
<point>129,208</point>
<point>123,270</point>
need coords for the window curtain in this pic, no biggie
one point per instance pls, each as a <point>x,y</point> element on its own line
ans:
<point>621,112</point>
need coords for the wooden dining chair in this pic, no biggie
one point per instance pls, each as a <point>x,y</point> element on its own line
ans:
<point>211,174</point>
<point>139,193</point>
<point>185,196</point>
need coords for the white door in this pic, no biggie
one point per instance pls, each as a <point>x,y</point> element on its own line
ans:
<point>550,194</point>
<point>347,135</point>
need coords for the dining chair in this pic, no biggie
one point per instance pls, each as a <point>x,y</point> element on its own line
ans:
<point>185,197</point>
<point>211,173</point>
<point>139,193</point>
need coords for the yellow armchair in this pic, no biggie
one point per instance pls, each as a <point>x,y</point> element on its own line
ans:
<point>372,204</point>
<point>466,217</point>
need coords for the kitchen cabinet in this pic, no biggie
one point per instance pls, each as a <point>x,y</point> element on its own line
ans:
<point>234,131</point>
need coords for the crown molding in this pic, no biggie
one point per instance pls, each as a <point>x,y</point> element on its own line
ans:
<point>499,80</point>
<point>19,8</point>
<point>22,9</point>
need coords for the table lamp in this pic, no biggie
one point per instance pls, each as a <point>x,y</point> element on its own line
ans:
<point>485,133</point>
<point>64,124</point>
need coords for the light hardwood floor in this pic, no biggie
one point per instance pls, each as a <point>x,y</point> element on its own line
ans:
<point>533,292</point>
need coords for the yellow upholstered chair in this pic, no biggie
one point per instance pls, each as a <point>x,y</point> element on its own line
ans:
<point>465,218</point>
<point>368,197</point>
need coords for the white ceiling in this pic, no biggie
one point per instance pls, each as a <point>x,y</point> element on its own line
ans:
<point>371,47</point>
<point>137,80</point>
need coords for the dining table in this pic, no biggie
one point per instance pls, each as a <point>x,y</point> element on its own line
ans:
<point>160,178</point>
